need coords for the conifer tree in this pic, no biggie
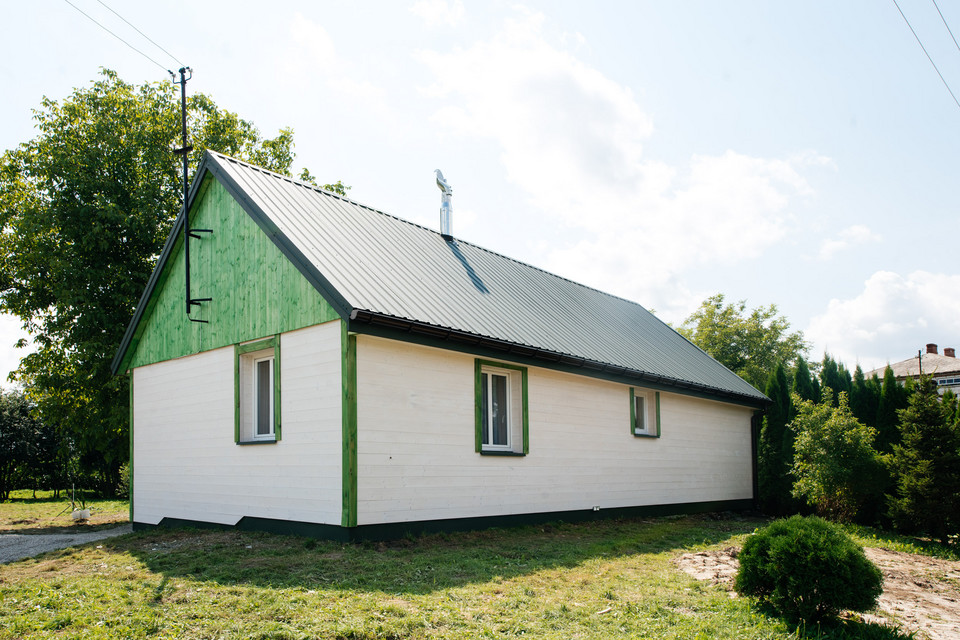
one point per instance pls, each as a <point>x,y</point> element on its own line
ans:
<point>803,383</point>
<point>893,398</point>
<point>776,447</point>
<point>864,399</point>
<point>926,464</point>
<point>835,376</point>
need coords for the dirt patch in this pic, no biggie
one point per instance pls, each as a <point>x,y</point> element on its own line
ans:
<point>921,593</point>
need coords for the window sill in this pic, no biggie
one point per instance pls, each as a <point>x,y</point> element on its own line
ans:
<point>645,435</point>
<point>258,442</point>
<point>502,453</point>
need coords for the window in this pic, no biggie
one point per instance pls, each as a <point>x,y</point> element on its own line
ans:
<point>644,413</point>
<point>257,392</point>
<point>501,409</point>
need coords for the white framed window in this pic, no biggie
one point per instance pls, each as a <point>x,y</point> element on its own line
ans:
<point>644,413</point>
<point>501,408</point>
<point>262,398</point>
<point>257,391</point>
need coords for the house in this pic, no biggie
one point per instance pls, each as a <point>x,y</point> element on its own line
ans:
<point>346,374</point>
<point>944,369</point>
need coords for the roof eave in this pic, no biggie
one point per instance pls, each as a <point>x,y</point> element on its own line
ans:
<point>510,348</point>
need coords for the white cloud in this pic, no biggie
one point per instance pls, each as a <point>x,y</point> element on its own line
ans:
<point>311,65</point>
<point>439,12</point>
<point>572,139</point>
<point>890,319</point>
<point>847,239</point>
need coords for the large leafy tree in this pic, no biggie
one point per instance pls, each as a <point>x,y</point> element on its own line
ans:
<point>748,342</point>
<point>837,470</point>
<point>926,466</point>
<point>18,440</point>
<point>85,207</point>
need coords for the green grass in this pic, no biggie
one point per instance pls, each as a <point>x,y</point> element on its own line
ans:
<point>872,537</point>
<point>606,579</point>
<point>24,513</point>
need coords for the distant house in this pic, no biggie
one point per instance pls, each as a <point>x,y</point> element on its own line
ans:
<point>944,369</point>
<point>348,374</point>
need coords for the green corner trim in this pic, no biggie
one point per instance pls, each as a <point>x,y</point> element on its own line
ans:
<point>272,342</point>
<point>130,438</point>
<point>348,369</point>
<point>478,364</point>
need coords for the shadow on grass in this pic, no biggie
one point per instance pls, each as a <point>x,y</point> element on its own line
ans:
<point>839,629</point>
<point>413,566</point>
<point>71,529</point>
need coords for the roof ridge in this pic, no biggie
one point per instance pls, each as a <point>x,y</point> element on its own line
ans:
<point>313,187</point>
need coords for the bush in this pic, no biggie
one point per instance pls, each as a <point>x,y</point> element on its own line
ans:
<point>808,570</point>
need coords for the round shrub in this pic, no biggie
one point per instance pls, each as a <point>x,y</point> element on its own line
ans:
<point>807,569</point>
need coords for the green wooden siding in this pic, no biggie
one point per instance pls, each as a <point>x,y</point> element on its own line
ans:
<point>256,290</point>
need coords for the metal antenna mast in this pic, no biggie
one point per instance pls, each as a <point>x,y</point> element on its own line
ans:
<point>186,73</point>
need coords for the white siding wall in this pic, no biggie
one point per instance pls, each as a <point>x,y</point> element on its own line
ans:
<point>416,457</point>
<point>186,464</point>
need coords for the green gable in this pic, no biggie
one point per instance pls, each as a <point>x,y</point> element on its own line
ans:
<point>256,290</point>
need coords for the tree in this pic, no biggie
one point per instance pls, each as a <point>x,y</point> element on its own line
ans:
<point>864,398</point>
<point>926,466</point>
<point>834,376</point>
<point>749,343</point>
<point>85,207</point>
<point>17,440</point>
<point>803,383</point>
<point>893,399</point>
<point>775,450</point>
<point>837,470</point>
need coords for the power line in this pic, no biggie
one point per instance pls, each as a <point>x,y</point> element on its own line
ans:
<point>942,79</point>
<point>141,33</point>
<point>115,35</point>
<point>946,25</point>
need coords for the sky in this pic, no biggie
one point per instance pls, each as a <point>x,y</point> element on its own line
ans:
<point>801,154</point>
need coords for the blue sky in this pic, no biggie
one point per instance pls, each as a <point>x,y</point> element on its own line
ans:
<point>802,153</point>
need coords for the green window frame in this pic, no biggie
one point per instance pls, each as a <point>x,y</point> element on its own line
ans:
<point>644,413</point>
<point>502,385</point>
<point>256,382</point>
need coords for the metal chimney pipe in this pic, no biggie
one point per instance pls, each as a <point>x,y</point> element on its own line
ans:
<point>446,209</point>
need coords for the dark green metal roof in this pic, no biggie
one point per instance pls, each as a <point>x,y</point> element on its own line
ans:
<point>378,269</point>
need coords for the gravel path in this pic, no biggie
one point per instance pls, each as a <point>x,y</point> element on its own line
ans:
<point>16,546</point>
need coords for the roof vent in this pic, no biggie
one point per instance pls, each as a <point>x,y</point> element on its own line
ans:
<point>949,352</point>
<point>445,208</point>
<point>931,348</point>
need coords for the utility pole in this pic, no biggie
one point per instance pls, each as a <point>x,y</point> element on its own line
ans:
<point>186,73</point>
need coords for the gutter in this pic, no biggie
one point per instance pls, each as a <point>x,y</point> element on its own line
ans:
<point>414,327</point>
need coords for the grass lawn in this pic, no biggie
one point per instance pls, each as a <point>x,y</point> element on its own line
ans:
<point>605,579</point>
<point>24,513</point>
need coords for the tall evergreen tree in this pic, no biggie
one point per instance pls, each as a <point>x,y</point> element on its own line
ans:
<point>835,376</point>
<point>803,382</point>
<point>775,454</point>
<point>864,399</point>
<point>893,398</point>
<point>926,464</point>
